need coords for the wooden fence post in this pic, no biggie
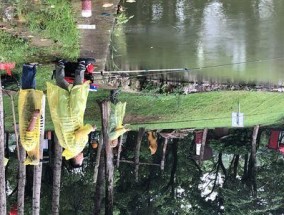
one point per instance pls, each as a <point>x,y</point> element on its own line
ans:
<point>21,180</point>
<point>2,154</point>
<point>105,109</point>
<point>56,177</point>
<point>38,168</point>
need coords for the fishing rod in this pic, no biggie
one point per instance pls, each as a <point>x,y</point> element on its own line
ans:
<point>142,70</point>
<point>168,71</point>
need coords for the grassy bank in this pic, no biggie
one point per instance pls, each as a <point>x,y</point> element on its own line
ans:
<point>201,110</point>
<point>212,109</point>
<point>39,32</point>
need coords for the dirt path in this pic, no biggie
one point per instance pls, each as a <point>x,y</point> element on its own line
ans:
<point>95,42</point>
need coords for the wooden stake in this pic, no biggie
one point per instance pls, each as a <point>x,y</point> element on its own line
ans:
<point>137,151</point>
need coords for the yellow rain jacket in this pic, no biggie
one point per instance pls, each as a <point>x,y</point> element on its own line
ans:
<point>67,110</point>
<point>29,101</point>
<point>116,128</point>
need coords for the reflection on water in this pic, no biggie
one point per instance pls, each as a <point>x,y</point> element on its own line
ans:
<point>242,38</point>
<point>222,179</point>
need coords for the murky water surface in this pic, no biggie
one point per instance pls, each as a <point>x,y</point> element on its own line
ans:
<point>220,40</point>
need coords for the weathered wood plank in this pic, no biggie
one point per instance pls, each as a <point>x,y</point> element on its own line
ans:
<point>56,177</point>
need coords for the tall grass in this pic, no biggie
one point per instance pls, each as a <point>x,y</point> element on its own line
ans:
<point>55,20</point>
<point>13,48</point>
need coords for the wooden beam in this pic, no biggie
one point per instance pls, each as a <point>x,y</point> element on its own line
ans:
<point>137,151</point>
<point>164,154</point>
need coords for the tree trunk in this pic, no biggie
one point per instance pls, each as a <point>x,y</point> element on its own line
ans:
<point>21,180</point>
<point>137,151</point>
<point>105,109</point>
<point>38,168</point>
<point>2,154</point>
<point>204,136</point>
<point>164,154</point>
<point>100,186</point>
<point>56,177</point>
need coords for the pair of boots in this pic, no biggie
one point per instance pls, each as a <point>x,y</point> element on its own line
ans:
<point>60,74</point>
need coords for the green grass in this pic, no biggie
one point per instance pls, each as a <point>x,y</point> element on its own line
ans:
<point>56,20</point>
<point>53,20</point>
<point>13,48</point>
<point>212,109</point>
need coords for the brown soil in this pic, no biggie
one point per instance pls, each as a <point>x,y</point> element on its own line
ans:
<point>22,32</point>
<point>133,119</point>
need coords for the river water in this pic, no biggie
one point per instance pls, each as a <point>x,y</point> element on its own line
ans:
<point>221,40</point>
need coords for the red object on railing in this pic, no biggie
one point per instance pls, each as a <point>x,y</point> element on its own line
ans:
<point>90,68</point>
<point>7,66</point>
